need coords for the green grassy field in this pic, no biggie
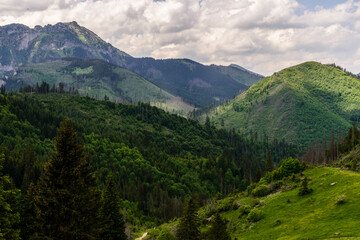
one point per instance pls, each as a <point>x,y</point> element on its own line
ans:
<point>286,215</point>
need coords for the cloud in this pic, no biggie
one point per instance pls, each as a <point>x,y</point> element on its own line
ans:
<point>262,35</point>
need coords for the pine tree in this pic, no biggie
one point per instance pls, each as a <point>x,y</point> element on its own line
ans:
<point>8,218</point>
<point>188,228</point>
<point>218,229</point>
<point>304,187</point>
<point>111,218</point>
<point>68,197</point>
<point>29,216</point>
<point>269,163</point>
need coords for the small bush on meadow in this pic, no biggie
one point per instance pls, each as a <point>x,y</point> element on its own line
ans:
<point>341,199</point>
<point>245,210</point>
<point>261,191</point>
<point>255,215</point>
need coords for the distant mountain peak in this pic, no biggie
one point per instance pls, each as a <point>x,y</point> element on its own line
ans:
<point>244,69</point>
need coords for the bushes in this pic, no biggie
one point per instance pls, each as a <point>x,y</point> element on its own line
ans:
<point>287,167</point>
<point>255,215</point>
<point>244,210</point>
<point>261,191</point>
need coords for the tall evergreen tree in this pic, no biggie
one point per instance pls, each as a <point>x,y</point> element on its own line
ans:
<point>8,218</point>
<point>188,228</point>
<point>113,225</point>
<point>68,196</point>
<point>218,229</point>
<point>29,215</point>
<point>269,163</point>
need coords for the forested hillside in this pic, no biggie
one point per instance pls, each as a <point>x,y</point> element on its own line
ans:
<point>157,159</point>
<point>302,104</point>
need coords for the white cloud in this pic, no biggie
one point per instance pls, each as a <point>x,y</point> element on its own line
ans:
<point>262,35</point>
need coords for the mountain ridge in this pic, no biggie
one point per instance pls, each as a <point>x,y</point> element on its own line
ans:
<point>207,85</point>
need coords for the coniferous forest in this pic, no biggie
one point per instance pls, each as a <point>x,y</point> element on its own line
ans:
<point>75,160</point>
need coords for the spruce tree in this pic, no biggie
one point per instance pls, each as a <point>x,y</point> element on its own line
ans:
<point>113,225</point>
<point>29,215</point>
<point>188,228</point>
<point>68,197</point>
<point>218,229</point>
<point>269,163</point>
<point>8,217</point>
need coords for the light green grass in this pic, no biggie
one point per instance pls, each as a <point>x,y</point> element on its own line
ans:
<point>314,216</point>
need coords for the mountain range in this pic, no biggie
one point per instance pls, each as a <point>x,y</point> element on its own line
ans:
<point>195,83</point>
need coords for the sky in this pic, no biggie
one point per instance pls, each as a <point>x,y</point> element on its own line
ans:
<point>264,36</point>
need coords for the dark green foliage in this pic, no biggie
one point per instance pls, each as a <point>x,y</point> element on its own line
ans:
<point>261,191</point>
<point>30,214</point>
<point>68,197</point>
<point>188,228</point>
<point>287,167</point>
<point>165,234</point>
<point>9,218</point>
<point>255,215</point>
<point>244,210</point>
<point>157,159</point>
<point>304,190</point>
<point>269,163</point>
<point>218,228</point>
<point>111,219</point>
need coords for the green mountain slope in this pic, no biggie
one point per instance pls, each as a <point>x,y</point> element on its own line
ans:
<point>98,79</point>
<point>302,104</point>
<point>196,83</point>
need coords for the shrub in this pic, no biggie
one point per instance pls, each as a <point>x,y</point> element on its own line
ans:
<point>255,215</point>
<point>304,188</point>
<point>340,199</point>
<point>254,202</point>
<point>261,191</point>
<point>245,210</point>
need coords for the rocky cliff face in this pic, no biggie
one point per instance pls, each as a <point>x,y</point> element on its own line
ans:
<point>20,44</point>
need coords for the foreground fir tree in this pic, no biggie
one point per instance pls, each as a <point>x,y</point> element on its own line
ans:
<point>110,216</point>
<point>8,217</point>
<point>218,229</point>
<point>188,228</point>
<point>68,196</point>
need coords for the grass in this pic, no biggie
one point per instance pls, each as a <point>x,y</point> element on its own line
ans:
<point>286,215</point>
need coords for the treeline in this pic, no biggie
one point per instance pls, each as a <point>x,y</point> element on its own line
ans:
<point>331,149</point>
<point>157,159</point>
<point>44,88</point>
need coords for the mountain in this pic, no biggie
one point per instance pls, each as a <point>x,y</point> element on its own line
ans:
<point>302,104</point>
<point>201,85</point>
<point>21,44</point>
<point>239,73</point>
<point>98,79</point>
<point>196,83</point>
